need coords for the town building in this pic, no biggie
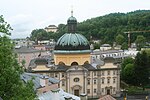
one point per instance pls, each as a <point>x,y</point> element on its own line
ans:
<point>27,54</point>
<point>73,66</point>
<point>46,88</point>
<point>118,55</point>
<point>105,47</point>
<point>51,28</point>
<point>22,42</point>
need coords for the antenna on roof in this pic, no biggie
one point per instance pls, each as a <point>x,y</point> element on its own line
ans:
<point>72,10</point>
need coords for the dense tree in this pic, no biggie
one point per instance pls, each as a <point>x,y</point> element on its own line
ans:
<point>137,70</point>
<point>124,46</point>
<point>11,86</point>
<point>128,73</point>
<point>107,27</point>
<point>120,39</point>
<point>39,34</point>
<point>140,41</point>
<point>127,61</point>
<point>141,69</point>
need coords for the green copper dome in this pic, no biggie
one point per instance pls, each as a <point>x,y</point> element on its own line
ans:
<point>71,41</point>
<point>72,19</point>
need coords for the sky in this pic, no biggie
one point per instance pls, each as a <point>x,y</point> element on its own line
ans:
<point>27,15</point>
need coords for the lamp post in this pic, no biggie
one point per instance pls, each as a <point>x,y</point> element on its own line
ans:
<point>125,94</point>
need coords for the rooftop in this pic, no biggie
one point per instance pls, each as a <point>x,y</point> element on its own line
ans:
<point>36,79</point>
<point>25,49</point>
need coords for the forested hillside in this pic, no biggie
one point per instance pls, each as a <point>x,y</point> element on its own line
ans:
<point>107,27</point>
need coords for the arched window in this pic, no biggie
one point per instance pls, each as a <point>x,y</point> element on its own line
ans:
<point>74,63</point>
<point>86,62</point>
<point>76,79</point>
<point>61,63</point>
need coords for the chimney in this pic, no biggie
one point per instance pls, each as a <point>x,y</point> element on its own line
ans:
<point>83,96</point>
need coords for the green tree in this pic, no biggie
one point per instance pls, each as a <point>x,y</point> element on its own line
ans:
<point>39,34</point>
<point>124,46</point>
<point>128,73</point>
<point>141,69</point>
<point>140,42</point>
<point>124,63</point>
<point>120,39</point>
<point>11,86</point>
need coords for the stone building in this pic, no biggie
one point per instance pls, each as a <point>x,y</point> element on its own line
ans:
<point>51,28</point>
<point>72,66</point>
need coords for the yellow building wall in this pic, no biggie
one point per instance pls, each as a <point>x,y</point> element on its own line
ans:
<point>68,59</point>
<point>40,68</point>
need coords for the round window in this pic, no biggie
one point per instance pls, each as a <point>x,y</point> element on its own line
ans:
<point>76,79</point>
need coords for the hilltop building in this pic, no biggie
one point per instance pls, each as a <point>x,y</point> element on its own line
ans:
<point>73,66</point>
<point>51,28</point>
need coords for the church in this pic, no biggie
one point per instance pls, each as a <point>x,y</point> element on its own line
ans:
<point>74,68</point>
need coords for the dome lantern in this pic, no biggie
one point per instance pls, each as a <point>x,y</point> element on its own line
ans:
<point>72,23</point>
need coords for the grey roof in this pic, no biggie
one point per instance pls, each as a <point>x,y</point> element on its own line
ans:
<point>108,51</point>
<point>52,26</point>
<point>98,61</point>
<point>61,67</point>
<point>89,67</point>
<point>26,50</point>
<point>60,95</point>
<point>44,61</point>
<point>1,98</point>
<point>36,79</point>
<point>105,45</point>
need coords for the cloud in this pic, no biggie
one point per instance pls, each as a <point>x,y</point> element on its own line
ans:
<point>22,25</point>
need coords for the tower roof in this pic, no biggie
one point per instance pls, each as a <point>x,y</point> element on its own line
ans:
<point>72,42</point>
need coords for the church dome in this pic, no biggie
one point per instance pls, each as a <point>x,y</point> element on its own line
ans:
<point>71,41</point>
<point>72,20</point>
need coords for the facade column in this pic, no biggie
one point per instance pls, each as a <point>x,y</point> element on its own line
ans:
<point>118,81</point>
<point>68,83</point>
<point>85,83</point>
<point>99,81</point>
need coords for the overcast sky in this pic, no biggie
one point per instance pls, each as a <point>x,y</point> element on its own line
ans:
<point>26,15</point>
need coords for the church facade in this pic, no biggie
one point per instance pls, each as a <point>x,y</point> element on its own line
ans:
<point>73,68</point>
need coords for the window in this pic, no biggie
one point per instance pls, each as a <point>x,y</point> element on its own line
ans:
<point>114,80</point>
<point>94,81</point>
<point>94,73</point>
<point>102,73</point>
<point>102,80</point>
<point>63,83</point>
<point>95,91</point>
<point>108,80</point>
<point>63,75</point>
<point>88,81</point>
<point>102,90</point>
<point>108,72</point>
<point>88,91</point>
<point>76,79</point>
<point>114,89</point>
<point>114,72</point>
<point>51,74</point>
<point>56,75</point>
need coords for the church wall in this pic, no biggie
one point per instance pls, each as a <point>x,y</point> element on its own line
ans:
<point>69,58</point>
<point>75,84</point>
<point>96,87</point>
<point>40,67</point>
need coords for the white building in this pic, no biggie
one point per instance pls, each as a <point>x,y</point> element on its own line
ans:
<point>105,47</point>
<point>117,54</point>
<point>51,28</point>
